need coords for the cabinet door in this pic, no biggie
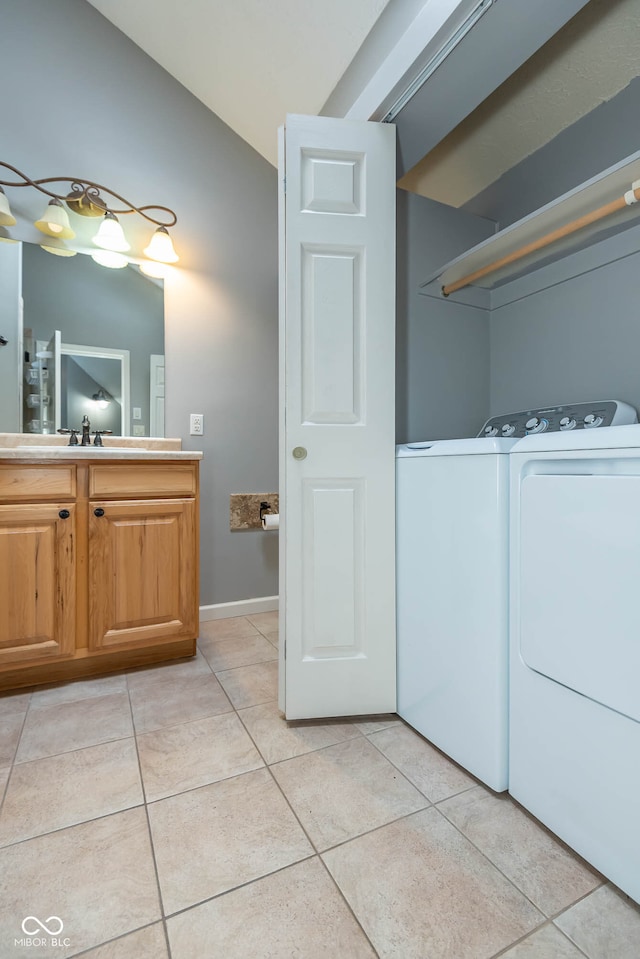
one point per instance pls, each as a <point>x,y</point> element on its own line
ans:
<point>142,573</point>
<point>37,571</point>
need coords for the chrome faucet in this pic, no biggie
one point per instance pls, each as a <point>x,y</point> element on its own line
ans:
<point>86,431</point>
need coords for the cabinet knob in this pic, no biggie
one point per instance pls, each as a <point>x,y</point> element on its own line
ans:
<point>98,512</point>
<point>299,453</point>
<point>64,514</point>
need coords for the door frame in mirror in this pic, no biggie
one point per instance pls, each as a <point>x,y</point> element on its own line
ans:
<point>70,349</point>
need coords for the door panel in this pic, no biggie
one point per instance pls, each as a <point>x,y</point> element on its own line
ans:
<point>332,374</point>
<point>337,592</point>
<point>579,572</point>
<point>142,572</point>
<point>37,560</point>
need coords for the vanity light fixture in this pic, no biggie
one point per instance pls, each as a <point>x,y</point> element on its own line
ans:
<point>89,199</point>
<point>101,399</point>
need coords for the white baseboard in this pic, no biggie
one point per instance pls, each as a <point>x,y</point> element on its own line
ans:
<point>243,607</point>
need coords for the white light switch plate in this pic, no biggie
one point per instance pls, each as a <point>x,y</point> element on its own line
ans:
<point>137,413</point>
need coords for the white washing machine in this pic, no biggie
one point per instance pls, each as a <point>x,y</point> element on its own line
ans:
<point>452,505</point>
<point>452,582</point>
<point>574,757</point>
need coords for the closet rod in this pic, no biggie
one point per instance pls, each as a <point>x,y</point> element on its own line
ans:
<point>632,196</point>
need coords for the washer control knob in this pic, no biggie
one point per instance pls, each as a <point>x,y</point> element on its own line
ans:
<point>567,423</point>
<point>536,424</point>
<point>490,430</point>
<point>592,420</point>
<point>508,429</point>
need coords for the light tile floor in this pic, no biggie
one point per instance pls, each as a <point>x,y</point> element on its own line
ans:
<point>172,812</point>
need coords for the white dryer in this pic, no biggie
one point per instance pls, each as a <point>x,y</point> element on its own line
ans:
<point>574,754</point>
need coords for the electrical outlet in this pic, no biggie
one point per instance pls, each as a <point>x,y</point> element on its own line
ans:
<point>196,424</point>
<point>138,429</point>
<point>137,413</point>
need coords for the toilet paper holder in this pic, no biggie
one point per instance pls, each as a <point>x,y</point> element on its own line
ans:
<point>264,508</point>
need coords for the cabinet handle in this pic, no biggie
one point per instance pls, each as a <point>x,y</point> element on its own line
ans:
<point>64,514</point>
<point>98,512</point>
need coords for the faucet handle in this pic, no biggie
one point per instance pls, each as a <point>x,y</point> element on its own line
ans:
<point>73,436</point>
<point>98,436</point>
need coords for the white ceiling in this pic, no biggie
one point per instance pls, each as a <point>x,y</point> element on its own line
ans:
<point>250,61</point>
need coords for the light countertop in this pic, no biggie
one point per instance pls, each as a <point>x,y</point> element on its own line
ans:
<point>22,446</point>
<point>93,453</point>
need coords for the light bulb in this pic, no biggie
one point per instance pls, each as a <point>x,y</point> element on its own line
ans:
<point>111,236</point>
<point>161,248</point>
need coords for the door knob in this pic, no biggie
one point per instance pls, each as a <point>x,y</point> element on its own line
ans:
<point>98,512</point>
<point>64,514</point>
<point>299,453</point>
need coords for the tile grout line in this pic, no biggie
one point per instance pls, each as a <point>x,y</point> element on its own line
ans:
<point>149,831</point>
<point>15,753</point>
<point>309,839</point>
<point>506,877</point>
<point>348,905</point>
<point>532,932</point>
<point>107,942</point>
<point>242,885</point>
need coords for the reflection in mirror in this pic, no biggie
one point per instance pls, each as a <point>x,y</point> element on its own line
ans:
<point>103,313</point>
<point>96,383</point>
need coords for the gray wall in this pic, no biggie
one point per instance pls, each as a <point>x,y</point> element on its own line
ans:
<point>576,338</point>
<point>94,306</point>
<point>442,347</point>
<point>89,102</point>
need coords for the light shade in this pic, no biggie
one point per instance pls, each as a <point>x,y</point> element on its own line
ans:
<point>111,236</point>
<point>59,250</point>
<point>55,221</point>
<point>6,216</point>
<point>161,248</point>
<point>100,399</point>
<point>110,259</point>
<point>151,268</point>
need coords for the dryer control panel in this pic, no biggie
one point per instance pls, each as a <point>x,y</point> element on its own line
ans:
<point>572,416</point>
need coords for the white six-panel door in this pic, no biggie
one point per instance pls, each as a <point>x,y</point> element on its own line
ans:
<point>337,436</point>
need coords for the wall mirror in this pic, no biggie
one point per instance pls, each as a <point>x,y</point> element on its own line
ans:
<point>92,342</point>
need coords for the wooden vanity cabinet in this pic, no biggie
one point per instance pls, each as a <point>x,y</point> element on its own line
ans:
<point>141,572</point>
<point>99,573</point>
<point>37,558</point>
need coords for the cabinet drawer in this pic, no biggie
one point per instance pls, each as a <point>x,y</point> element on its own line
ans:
<point>37,482</point>
<point>143,479</point>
